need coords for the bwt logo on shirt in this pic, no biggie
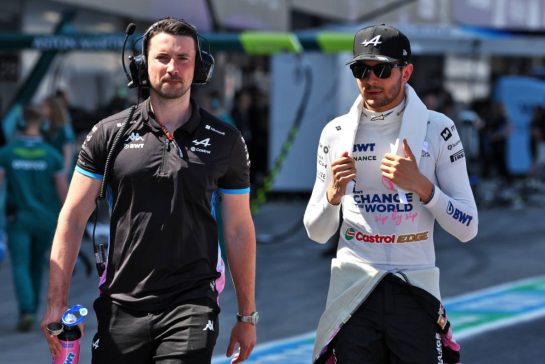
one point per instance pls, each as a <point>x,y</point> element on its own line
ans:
<point>459,215</point>
<point>134,137</point>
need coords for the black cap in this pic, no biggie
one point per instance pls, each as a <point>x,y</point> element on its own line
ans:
<point>381,43</point>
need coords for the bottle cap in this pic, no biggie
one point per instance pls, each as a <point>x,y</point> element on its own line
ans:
<point>54,328</point>
<point>74,315</point>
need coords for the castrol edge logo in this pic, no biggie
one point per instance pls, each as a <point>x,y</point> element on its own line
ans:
<point>352,233</point>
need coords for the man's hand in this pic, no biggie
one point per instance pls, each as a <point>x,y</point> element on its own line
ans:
<point>244,336</point>
<point>52,314</point>
<point>344,171</point>
<point>404,172</point>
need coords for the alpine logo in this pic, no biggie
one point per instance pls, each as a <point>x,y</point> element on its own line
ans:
<point>446,134</point>
<point>204,142</point>
<point>375,41</point>
<point>380,117</point>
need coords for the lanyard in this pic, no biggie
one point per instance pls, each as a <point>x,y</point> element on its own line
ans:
<point>167,133</point>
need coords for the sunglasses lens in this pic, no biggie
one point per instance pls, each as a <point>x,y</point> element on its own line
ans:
<point>359,70</point>
<point>381,70</point>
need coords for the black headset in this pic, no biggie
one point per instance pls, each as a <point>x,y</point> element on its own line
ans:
<point>204,61</point>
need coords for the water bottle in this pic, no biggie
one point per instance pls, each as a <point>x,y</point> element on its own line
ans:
<point>69,334</point>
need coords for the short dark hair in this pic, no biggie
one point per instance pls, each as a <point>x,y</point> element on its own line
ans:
<point>32,115</point>
<point>171,26</point>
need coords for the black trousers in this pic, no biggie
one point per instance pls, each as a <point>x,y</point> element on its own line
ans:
<point>183,334</point>
<point>390,327</point>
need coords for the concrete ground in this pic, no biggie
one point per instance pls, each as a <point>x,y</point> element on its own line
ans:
<point>293,275</point>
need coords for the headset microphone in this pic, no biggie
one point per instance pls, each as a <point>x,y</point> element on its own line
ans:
<point>128,32</point>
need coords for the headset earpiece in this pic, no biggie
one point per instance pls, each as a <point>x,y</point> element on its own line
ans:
<point>204,67</point>
<point>139,71</point>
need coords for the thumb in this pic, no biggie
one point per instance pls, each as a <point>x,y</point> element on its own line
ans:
<point>408,152</point>
<point>345,154</point>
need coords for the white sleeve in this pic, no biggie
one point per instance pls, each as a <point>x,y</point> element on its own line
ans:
<point>321,218</point>
<point>453,204</point>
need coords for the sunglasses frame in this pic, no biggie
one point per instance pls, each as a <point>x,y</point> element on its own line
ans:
<point>381,70</point>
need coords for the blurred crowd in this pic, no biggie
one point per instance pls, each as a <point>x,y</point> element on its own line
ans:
<point>485,128</point>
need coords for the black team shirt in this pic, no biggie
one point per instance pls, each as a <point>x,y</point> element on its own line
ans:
<point>163,236</point>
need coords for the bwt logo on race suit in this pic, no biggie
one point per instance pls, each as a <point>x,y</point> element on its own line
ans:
<point>459,215</point>
<point>368,147</point>
<point>385,202</point>
<point>352,233</point>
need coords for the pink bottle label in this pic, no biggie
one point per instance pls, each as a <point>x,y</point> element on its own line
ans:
<point>69,353</point>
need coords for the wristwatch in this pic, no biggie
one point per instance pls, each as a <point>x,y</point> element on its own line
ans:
<point>250,319</point>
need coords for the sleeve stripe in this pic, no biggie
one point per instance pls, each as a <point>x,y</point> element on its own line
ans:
<point>89,174</point>
<point>238,191</point>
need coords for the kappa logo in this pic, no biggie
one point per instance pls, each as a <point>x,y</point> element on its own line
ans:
<point>209,326</point>
<point>134,137</point>
<point>375,41</point>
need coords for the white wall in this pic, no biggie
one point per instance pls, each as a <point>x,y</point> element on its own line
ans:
<point>333,92</point>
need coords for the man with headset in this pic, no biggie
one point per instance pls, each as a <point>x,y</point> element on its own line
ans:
<point>159,292</point>
<point>393,167</point>
<point>36,188</point>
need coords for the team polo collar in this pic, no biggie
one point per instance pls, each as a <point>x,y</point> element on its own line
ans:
<point>189,126</point>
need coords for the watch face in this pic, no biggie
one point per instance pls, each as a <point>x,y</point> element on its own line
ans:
<point>250,319</point>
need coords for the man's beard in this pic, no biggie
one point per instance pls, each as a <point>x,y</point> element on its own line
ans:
<point>388,96</point>
<point>171,94</point>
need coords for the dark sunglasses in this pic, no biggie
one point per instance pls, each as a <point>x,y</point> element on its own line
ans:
<point>381,70</point>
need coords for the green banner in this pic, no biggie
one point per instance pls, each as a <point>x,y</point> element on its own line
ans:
<point>269,43</point>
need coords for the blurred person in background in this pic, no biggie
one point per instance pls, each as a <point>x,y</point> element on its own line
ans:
<point>58,131</point>
<point>216,107</point>
<point>36,188</point>
<point>537,141</point>
<point>393,167</point>
<point>240,113</point>
<point>497,129</point>
<point>160,288</point>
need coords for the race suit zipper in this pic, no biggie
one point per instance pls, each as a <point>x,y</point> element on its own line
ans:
<point>166,149</point>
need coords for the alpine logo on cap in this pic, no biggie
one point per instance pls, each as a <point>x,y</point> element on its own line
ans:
<point>375,41</point>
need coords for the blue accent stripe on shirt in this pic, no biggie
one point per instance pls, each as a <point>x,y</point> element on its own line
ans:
<point>239,191</point>
<point>213,204</point>
<point>89,174</point>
